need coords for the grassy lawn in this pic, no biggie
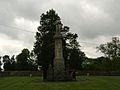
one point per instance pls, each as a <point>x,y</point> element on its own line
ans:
<point>82,83</point>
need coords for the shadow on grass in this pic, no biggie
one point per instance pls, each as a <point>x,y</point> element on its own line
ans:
<point>81,80</point>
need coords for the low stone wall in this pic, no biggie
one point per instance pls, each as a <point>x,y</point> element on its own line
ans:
<point>99,73</point>
<point>20,73</point>
<point>78,73</point>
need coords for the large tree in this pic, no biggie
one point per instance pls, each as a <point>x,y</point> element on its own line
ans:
<point>24,61</point>
<point>9,63</point>
<point>44,45</point>
<point>111,49</point>
<point>0,63</point>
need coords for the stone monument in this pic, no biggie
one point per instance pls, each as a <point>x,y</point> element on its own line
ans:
<point>58,72</point>
<point>59,66</point>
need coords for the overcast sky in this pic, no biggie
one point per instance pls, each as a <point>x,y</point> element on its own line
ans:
<point>95,22</point>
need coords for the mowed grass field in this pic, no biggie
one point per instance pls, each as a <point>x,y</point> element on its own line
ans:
<point>82,83</point>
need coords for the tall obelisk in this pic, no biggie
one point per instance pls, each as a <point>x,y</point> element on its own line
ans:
<point>58,72</point>
<point>59,66</point>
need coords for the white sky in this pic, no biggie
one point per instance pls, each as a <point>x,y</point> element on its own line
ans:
<point>95,22</point>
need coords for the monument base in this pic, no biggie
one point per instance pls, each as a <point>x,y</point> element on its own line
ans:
<point>58,74</point>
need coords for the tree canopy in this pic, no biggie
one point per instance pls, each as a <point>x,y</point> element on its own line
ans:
<point>24,61</point>
<point>9,63</point>
<point>111,49</point>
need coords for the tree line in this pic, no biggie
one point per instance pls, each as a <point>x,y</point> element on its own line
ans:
<point>22,62</point>
<point>42,55</point>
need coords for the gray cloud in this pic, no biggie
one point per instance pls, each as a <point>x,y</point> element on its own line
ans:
<point>91,20</point>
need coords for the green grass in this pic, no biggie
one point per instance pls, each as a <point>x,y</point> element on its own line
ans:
<point>82,83</point>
